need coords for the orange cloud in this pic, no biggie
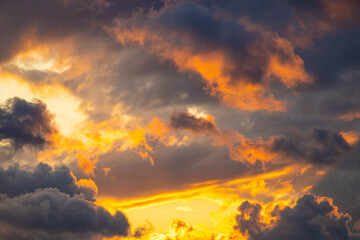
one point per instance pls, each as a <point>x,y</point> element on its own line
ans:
<point>351,136</point>
<point>240,81</point>
<point>86,165</point>
<point>88,184</point>
<point>349,116</point>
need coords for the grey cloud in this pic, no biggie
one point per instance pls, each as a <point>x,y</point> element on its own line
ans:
<point>14,181</point>
<point>25,123</point>
<point>315,18</point>
<point>249,50</point>
<point>311,219</point>
<point>320,147</point>
<point>343,184</point>
<point>185,120</point>
<point>23,24</point>
<point>54,212</point>
<point>49,22</point>
<point>147,92</point>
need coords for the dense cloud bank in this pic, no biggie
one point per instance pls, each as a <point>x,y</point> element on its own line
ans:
<point>53,211</point>
<point>52,204</point>
<point>311,218</point>
<point>15,181</point>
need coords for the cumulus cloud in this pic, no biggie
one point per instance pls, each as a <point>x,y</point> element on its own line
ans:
<point>185,120</point>
<point>15,181</point>
<point>311,218</point>
<point>54,212</point>
<point>25,123</point>
<point>53,204</point>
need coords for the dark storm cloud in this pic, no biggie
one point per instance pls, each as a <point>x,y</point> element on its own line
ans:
<point>52,211</point>
<point>310,218</point>
<point>185,120</point>
<point>320,147</point>
<point>14,181</point>
<point>25,123</point>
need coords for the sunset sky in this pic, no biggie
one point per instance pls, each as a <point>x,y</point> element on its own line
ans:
<point>179,119</point>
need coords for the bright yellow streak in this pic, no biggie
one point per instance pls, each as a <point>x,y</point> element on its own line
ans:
<point>213,204</point>
<point>270,175</point>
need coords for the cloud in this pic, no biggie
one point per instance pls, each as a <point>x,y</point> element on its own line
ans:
<point>249,218</point>
<point>322,146</point>
<point>185,120</point>
<point>139,83</point>
<point>181,230</point>
<point>343,184</point>
<point>315,18</point>
<point>54,212</point>
<point>143,230</point>
<point>236,58</point>
<point>319,147</point>
<point>176,168</point>
<point>34,25</point>
<point>25,123</point>
<point>53,204</point>
<point>311,218</point>
<point>14,181</point>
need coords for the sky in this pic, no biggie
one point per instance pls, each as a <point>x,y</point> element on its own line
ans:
<point>179,120</point>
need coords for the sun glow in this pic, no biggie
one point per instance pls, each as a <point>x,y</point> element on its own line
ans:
<point>213,204</point>
<point>63,104</point>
